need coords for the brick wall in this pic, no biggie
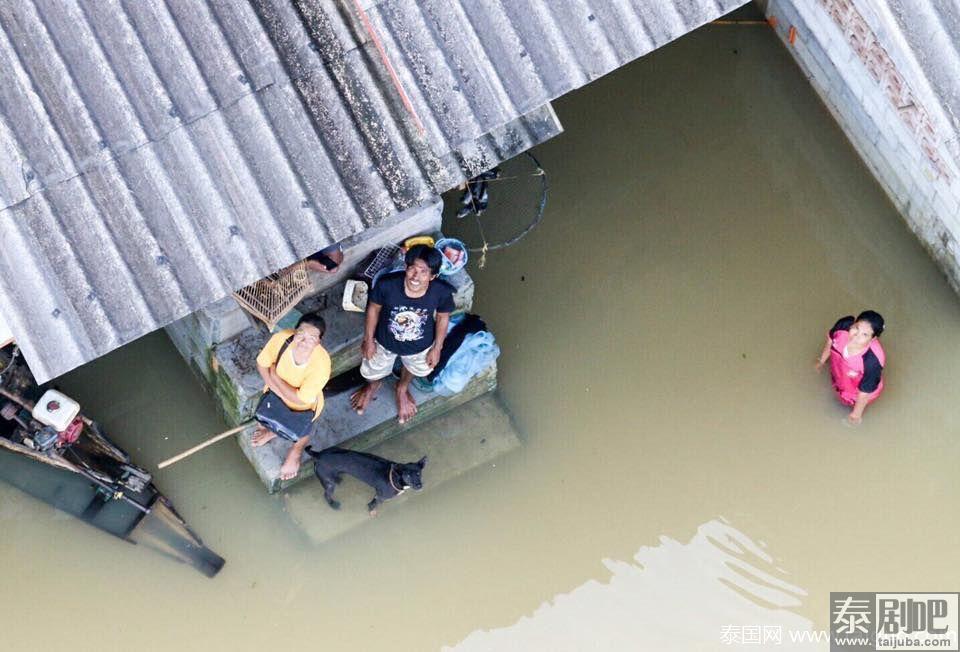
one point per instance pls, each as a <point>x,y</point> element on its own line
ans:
<point>863,71</point>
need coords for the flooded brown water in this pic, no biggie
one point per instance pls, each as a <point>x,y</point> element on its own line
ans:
<point>685,468</point>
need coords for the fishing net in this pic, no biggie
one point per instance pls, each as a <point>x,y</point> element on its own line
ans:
<point>501,206</point>
<point>270,298</point>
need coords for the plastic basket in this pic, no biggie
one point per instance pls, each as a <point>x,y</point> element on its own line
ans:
<point>446,267</point>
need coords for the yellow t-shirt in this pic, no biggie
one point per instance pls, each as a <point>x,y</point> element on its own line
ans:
<point>308,379</point>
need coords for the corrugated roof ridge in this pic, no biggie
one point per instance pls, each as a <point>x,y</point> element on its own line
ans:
<point>368,66</point>
<point>76,126</point>
<point>545,33</point>
<point>621,18</point>
<point>295,193</point>
<point>152,256</point>
<point>445,20</point>
<point>74,282</point>
<point>213,143</point>
<point>355,96</point>
<point>101,161</point>
<point>180,78</point>
<point>219,117</point>
<point>426,74</point>
<point>63,165</point>
<point>119,127</point>
<point>409,145</point>
<point>572,21</point>
<point>204,37</point>
<point>109,247</point>
<point>13,189</point>
<point>301,155</point>
<point>72,145</point>
<point>73,342</point>
<point>368,198</point>
<point>157,181</point>
<point>504,28</point>
<point>189,125</point>
<point>650,41</point>
<point>110,171</point>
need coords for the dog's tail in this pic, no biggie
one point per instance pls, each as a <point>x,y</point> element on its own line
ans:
<point>332,449</point>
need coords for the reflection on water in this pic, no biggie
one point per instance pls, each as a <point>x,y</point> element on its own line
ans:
<point>700,595</point>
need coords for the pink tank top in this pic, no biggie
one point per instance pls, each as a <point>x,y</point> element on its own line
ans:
<point>848,372</point>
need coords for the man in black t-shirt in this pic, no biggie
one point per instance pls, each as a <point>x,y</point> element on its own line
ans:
<point>407,315</point>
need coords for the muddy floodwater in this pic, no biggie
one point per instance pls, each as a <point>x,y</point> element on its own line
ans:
<point>685,469</point>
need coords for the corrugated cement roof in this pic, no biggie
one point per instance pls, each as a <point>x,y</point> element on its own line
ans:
<point>155,155</point>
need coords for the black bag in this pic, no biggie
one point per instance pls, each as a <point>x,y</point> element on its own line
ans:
<point>273,413</point>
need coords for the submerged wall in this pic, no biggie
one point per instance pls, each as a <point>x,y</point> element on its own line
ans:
<point>877,75</point>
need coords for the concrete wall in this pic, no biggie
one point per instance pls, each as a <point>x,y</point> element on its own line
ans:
<point>860,62</point>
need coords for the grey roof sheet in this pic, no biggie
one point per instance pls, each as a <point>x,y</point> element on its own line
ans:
<point>155,155</point>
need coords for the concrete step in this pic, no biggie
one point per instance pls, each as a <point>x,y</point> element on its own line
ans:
<point>235,380</point>
<point>471,436</point>
<point>340,425</point>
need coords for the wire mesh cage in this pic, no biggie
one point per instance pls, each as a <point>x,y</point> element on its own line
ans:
<point>270,298</point>
<point>384,259</point>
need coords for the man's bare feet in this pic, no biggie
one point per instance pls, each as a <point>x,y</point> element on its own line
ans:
<point>362,397</point>
<point>261,436</point>
<point>406,406</point>
<point>291,465</point>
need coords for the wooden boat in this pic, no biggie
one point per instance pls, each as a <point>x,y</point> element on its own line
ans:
<point>80,471</point>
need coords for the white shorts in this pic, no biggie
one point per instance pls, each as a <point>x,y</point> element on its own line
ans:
<point>381,364</point>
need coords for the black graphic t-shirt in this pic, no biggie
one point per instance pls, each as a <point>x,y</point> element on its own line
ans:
<point>406,325</point>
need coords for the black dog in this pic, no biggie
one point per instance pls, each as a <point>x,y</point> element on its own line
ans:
<point>389,479</point>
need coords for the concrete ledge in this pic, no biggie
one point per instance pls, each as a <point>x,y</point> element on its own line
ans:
<point>340,425</point>
<point>473,436</point>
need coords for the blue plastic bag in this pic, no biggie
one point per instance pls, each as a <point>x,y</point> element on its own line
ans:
<point>478,351</point>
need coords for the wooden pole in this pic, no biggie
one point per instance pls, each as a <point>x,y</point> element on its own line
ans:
<point>201,446</point>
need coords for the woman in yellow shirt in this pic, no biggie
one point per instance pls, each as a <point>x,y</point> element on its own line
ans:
<point>294,367</point>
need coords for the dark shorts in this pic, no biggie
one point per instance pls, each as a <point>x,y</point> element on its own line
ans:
<point>292,425</point>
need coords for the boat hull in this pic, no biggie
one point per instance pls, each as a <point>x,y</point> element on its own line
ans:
<point>147,518</point>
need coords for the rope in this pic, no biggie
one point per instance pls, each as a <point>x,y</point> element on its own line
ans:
<point>486,246</point>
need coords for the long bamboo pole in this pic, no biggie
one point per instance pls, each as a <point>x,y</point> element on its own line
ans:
<point>202,445</point>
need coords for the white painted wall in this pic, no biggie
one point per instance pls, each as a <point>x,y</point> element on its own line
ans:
<point>872,77</point>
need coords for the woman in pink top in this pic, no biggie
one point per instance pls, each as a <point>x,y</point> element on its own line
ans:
<point>856,361</point>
